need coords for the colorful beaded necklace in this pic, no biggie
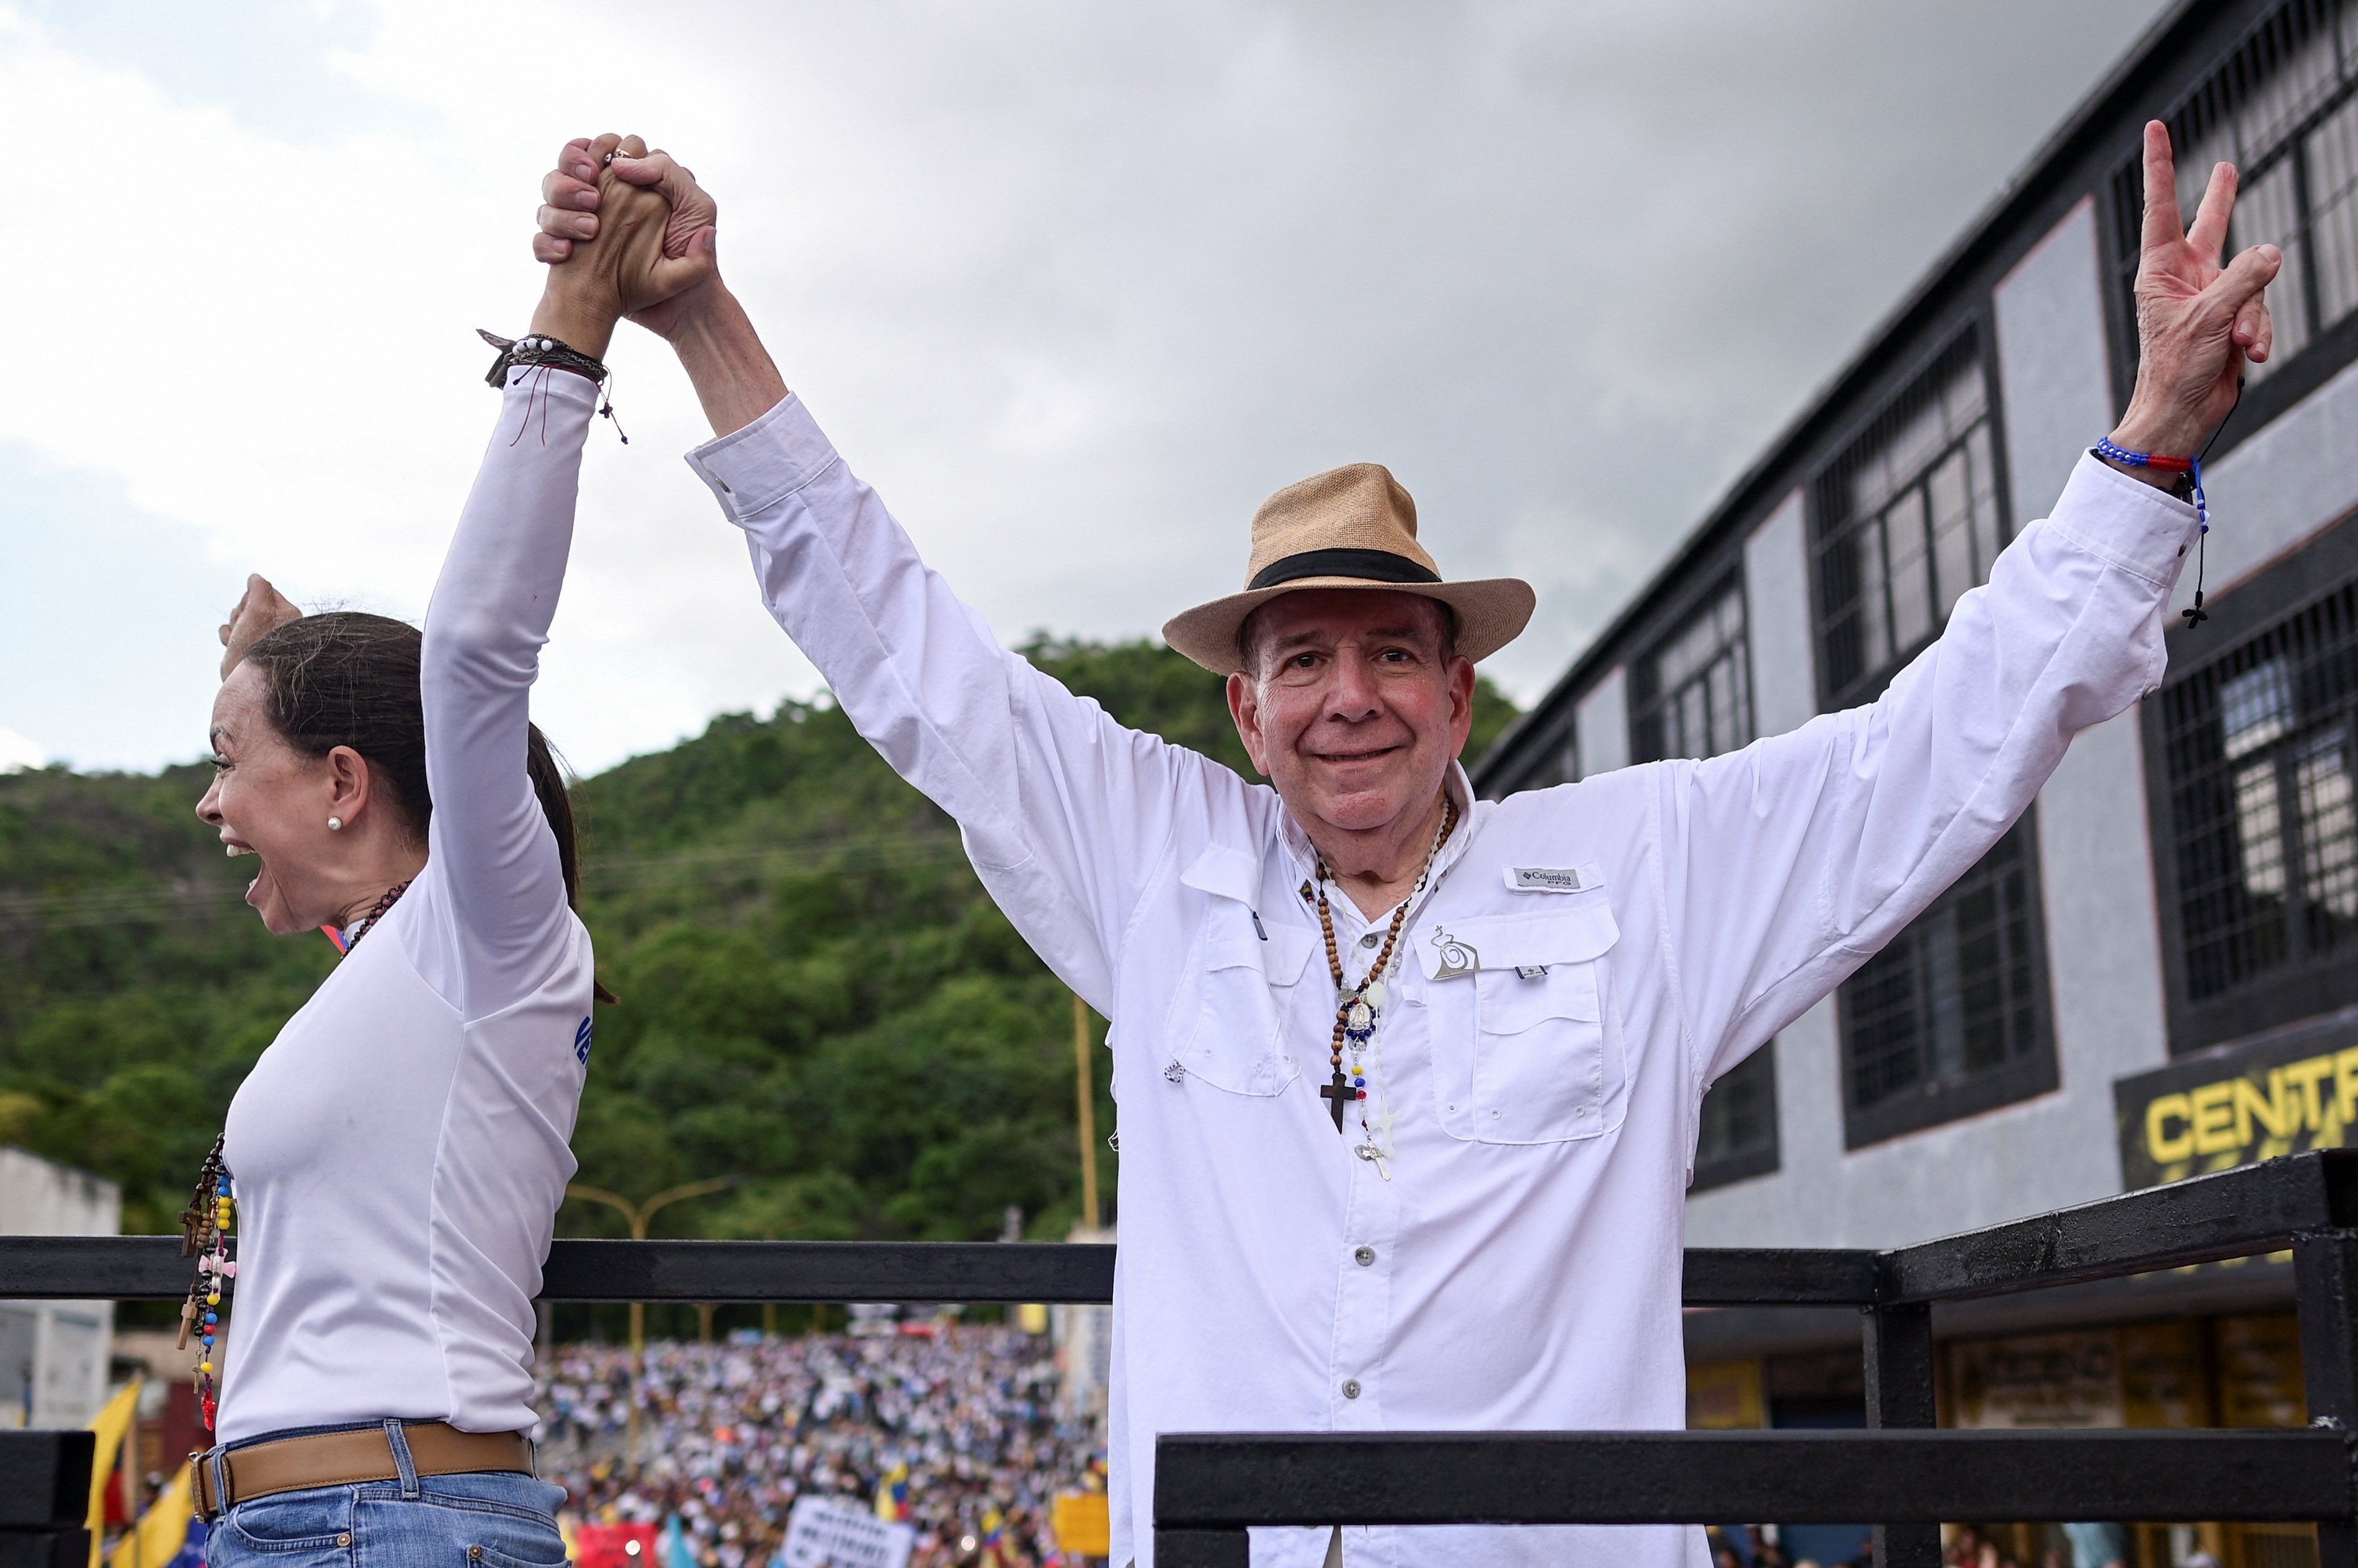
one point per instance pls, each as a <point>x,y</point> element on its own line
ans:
<point>205,1223</point>
<point>1358,1009</point>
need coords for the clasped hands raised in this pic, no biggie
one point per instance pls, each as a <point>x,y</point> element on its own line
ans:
<point>627,232</point>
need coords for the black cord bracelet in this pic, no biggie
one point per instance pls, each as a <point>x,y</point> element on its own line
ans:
<point>530,350</point>
<point>534,348</point>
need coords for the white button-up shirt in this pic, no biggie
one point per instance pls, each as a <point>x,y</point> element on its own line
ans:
<point>1583,963</point>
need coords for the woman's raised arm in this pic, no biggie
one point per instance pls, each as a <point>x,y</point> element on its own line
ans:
<point>492,850</point>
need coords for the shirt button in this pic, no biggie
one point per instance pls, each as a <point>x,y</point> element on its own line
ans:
<point>1351,1389</point>
<point>1364,1256</point>
<point>1369,940</point>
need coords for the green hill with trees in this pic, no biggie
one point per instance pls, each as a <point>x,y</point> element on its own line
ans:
<point>817,998</point>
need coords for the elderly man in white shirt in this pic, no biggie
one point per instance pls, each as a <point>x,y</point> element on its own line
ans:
<point>1409,1081</point>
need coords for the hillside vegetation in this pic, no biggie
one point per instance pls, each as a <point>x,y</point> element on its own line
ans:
<point>817,998</point>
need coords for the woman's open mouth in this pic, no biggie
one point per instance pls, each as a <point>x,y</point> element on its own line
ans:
<point>233,848</point>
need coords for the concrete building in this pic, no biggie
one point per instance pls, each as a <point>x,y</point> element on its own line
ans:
<point>53,1355</point>
<point>2155,973</point>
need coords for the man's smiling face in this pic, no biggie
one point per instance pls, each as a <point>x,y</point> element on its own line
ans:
<point>1353,703</point>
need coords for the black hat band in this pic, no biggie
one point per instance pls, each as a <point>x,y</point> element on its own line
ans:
<point>1376,566</point>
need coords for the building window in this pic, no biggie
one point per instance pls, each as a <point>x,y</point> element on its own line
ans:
<point>1690,695</point>
<point>2282,108</point>
<point>1950,1019</point>
<point>2257,749</point>
<point>1907,520</point>
<point>1518,761</point>
<point>1559,763</point>
<point>1737,1138</point>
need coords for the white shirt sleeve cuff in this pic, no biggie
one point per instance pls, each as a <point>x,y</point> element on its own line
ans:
<point>753,468</point>
<point>2124,521</point>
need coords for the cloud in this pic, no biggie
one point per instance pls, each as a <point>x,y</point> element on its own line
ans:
<point>16,753</point>
<point>1076,285</point>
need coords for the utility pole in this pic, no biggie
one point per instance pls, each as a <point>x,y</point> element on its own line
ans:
<point>1089,1107</point>
<point>638,1215</point>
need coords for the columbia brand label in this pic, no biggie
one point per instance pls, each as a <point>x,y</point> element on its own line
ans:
<point>581,1042</point>
<point>1548,879</point>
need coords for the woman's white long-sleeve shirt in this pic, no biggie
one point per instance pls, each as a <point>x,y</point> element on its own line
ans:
<point>401,1148</point>
<point>1625,940</point>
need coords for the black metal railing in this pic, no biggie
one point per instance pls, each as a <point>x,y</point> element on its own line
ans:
<point>1210,1486</point>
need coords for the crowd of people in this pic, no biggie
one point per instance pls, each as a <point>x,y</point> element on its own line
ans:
<point>954,1429</point>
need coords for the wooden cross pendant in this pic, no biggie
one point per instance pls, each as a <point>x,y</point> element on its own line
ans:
<point>1341,1092</point>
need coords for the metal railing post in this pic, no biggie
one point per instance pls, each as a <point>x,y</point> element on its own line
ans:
<point>2325,1274</point>
<point>1899,1393</point>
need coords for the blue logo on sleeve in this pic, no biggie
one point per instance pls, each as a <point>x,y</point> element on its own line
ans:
<point>581,1043</point>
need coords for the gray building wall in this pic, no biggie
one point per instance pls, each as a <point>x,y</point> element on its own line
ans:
<point>2293,478</point>
<point>2044,298</point>
<point>2095,873</point>
<point>1777,621</point>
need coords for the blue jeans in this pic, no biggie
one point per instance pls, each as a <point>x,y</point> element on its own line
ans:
<point>484,1518</point>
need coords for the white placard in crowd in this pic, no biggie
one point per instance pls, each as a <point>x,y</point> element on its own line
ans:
<point>835,1532</point>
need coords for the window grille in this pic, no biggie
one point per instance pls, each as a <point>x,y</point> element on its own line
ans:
<point>2257,747</point>
<point>1907,520</point>
<point>1737,1138</point>
<point>1559,764</point>
<point>2282,108</point>
<point>1693,692</point>
<point>1950,1020</point>
<point>1691,697</point>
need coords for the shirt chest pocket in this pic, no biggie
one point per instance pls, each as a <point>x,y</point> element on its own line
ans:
<point>1228,1017</point>
<point>1527,1048</point>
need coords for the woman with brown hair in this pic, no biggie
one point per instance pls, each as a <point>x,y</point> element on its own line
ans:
<point>396,1157</point>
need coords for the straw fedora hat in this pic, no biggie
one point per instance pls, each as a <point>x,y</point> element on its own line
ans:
<point>1348,527</point>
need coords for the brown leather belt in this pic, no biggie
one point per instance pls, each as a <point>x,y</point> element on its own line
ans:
<point>347,1458</point>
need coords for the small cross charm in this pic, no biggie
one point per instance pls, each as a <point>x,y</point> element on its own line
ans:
<point>1342,1094</point>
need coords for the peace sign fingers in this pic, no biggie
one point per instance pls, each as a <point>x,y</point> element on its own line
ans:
<point>2208,238</point>
<point>2164,227</point>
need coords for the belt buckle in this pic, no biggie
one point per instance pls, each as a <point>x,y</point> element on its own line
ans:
<point>197,1490</point>
<point>202,1476</point>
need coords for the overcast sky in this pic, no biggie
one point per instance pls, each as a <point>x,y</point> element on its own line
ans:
<point>1074,286</point>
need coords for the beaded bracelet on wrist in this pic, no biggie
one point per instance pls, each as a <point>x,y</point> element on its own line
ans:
<point>538,348</point>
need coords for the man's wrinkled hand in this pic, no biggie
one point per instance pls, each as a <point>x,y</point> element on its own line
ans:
<point>2198,322</point>
<point>596,183</point>
<point>260,609</point>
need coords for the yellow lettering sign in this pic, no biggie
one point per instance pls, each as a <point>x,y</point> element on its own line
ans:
<point>2277,1111</point>
<point>2305,1079</point>
<point>2169,1147</point>
<point>2215,1117</point>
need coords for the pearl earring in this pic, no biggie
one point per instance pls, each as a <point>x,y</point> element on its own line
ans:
<point>335,825</point>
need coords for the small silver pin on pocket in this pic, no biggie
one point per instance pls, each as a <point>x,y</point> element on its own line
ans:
<point>1456,958</point>
<point>1531,971</point>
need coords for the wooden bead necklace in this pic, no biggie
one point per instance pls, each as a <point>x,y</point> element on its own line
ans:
<point>1358,1008</point>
